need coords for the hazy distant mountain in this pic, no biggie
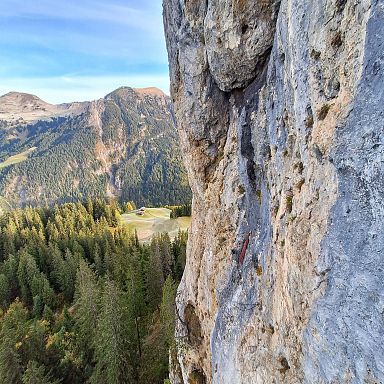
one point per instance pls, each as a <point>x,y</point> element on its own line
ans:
<point>124,145</point>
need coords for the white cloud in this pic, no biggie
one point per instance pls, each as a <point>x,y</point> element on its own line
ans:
<point>94,40</point>
<point>143,18</point>
<point>49,34</point>
<point>65,89</point>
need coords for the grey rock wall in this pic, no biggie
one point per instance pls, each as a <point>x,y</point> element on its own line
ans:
<point>280,112</point>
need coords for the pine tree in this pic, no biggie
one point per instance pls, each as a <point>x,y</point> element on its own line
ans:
<point>156,354</point>
<point>87,309</point>
<point>36,374</point>
<point>166,254</point>
<point>116,218</point>
<point>114,329</point>
<point>4,291</point>
<point>71,262</point>
<point>27,270</point>
<point>13,326</point>
<point>9,269</point>
<point>48,314</point>
<point>108,255</point>
<point>39,286</point>
<point>38,306</point>
<point>179,253</point>
<point>8,241</point>
<point>89,206</point>
<point>135,286</point>
<point>111,344</point>
<point>167,310</point>
<point>99,260</point>
<point>155,277</point>
<point>136,238</point>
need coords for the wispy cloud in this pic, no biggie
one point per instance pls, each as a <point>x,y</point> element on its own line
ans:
<point>47,39</point>
<point>140,15</point>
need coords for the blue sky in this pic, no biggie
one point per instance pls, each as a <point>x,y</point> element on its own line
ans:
<point>75,50</point>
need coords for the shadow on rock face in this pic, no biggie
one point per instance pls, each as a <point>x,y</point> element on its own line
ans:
<point>193,325</point>
<point>197,377</point>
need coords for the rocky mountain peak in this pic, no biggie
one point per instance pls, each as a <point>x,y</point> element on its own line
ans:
<point>22,108</point>
<point>123,146</point>
<point>134,93</point>
<point>150,91</point>
<point>18,102</point>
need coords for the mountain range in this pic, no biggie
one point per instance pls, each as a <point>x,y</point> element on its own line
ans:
<point>124,146</point>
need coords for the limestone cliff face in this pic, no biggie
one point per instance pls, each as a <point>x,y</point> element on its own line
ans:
<point>280,109</point>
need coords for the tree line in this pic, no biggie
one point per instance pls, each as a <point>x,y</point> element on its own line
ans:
<point>82,301</point>
<point>180,210</point>
<point>69,162</point>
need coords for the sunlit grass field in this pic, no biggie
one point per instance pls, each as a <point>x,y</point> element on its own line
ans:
<point>4,205</point>
<point>15,159</point>
<point>155,220</point>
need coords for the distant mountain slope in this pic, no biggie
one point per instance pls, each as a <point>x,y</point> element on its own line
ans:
<point>19,108</point>
<point>124,146</point>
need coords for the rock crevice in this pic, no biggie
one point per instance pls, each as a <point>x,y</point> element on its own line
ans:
<point>279,111</point>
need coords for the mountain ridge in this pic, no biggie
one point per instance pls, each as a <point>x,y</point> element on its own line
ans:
<point>22,107</point>
<point>128,132</point>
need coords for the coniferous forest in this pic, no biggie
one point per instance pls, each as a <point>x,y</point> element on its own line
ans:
<point>132,153</point>
<point>180,210</point>
<point>82,301</point>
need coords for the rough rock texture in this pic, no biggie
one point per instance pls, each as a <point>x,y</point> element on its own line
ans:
<point>280,109</point>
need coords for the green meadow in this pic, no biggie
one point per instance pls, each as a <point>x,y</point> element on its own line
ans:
<point>155,220</point>
<point>18,158</point>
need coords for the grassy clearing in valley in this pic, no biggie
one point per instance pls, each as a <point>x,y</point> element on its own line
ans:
<point>4,205</point>
<point>15,159</point>
<point>155,220</point>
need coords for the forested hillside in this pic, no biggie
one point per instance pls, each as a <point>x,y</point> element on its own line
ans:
<point>81,300</point>
<point>124,145</point>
